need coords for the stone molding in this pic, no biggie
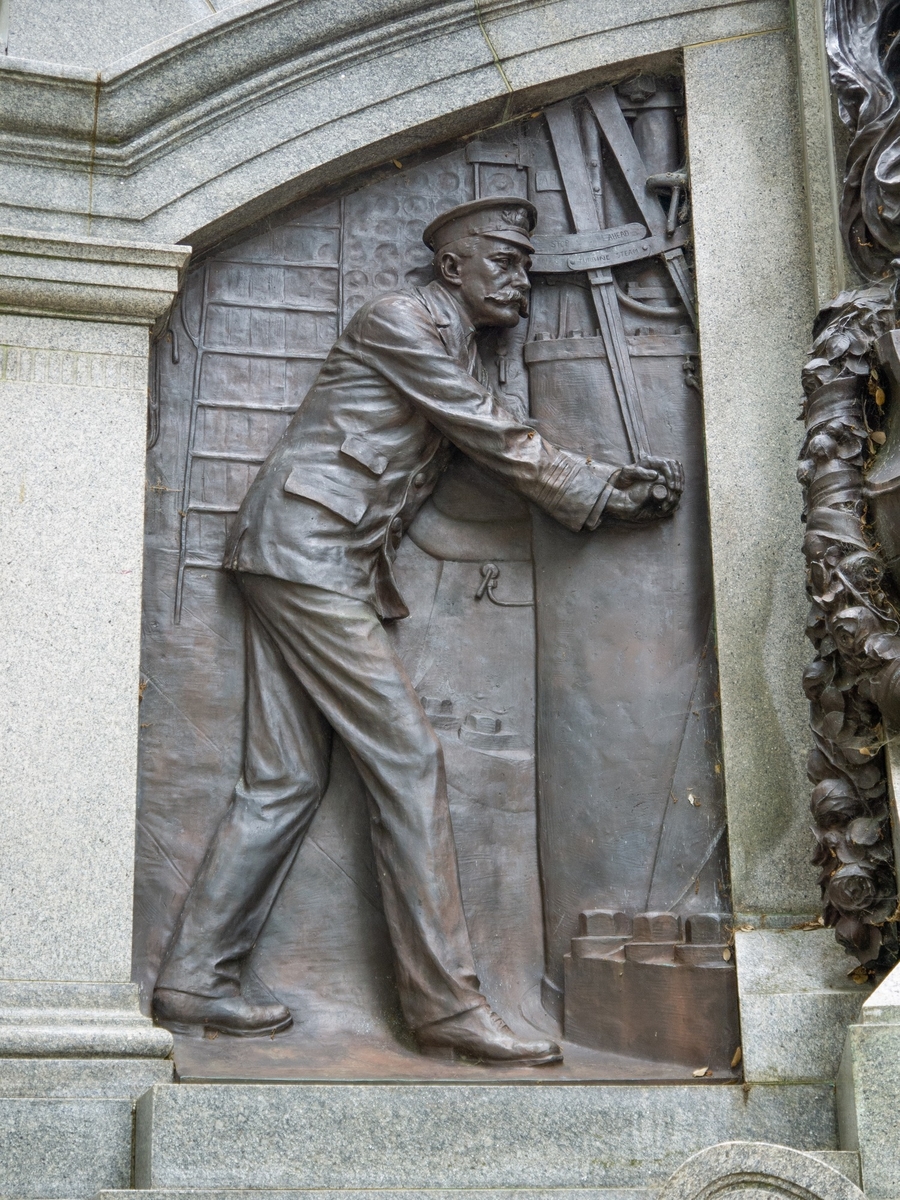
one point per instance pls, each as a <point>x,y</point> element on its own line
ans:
<point>244,56</point>
<point>733,1168</point>
<point>44,274</point>
<point>208,72</point>
<point>77,1020</point>
<point>237,110</point>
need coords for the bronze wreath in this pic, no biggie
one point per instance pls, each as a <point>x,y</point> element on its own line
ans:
<point>853,683</point>
<point>852,624</point>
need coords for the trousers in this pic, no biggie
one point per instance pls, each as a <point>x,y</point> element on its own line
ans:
<point>320,663</point>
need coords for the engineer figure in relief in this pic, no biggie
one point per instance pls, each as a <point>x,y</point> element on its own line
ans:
<point>311,551</point>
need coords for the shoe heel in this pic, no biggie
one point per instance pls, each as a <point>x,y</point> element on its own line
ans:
<point>183,1028</point>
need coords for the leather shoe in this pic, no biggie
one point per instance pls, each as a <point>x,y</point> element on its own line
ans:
<point>482,1035</point>
<point>183,1012</point>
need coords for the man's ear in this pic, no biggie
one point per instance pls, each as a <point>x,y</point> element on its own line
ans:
<point>447,268</point>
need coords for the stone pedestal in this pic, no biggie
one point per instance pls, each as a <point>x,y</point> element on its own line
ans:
<point>796,1001</point>
<point>870,1067</point>
<point>728,1167</point>
<point>867,1090</point>
<point>473,1137</point>
<point>75,1050</point>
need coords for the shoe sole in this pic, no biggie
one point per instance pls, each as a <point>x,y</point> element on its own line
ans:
<point>195,1030</point>
<point>449,1054</point>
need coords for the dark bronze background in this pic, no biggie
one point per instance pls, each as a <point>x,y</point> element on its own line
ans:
<point>572,677</point>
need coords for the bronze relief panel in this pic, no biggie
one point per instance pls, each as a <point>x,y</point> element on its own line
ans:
<point>448,430</point>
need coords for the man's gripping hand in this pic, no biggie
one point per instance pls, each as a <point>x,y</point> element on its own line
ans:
<point>645,490</point>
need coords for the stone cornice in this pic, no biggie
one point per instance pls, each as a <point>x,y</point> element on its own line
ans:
<point>119,119</point>
<point>88,278</point>
<point>258,106</point>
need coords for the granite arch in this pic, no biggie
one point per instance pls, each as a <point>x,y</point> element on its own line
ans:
<point>195,136</point>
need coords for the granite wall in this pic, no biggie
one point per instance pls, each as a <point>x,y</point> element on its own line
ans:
<point>129,139</point>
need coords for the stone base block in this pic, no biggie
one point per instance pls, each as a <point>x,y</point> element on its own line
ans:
<point>867,1090</point>
<point>63,1148</point>
<point>461,1136</point>
<point>776,1034</point>
<point>85,1078</point>
<point>844,1161</point>
<point>796,1003</point>
<point>66,1125</point>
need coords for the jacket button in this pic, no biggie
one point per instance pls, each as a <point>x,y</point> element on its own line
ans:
<point>396,525</point>
<point>419,480</point>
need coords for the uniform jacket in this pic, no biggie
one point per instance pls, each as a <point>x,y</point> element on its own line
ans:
<point>366,447</point>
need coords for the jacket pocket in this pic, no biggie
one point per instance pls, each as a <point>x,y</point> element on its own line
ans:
<point>363,452</point>
<point>330,494</point>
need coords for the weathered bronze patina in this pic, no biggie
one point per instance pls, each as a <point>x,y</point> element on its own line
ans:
<point>581,887</point>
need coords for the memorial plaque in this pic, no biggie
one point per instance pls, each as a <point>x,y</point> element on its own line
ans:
<point>558,661</point>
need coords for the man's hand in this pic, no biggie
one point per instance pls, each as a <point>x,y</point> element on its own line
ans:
<point>646,490</point>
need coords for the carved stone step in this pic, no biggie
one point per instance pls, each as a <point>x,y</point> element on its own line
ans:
<point>845,1161</point>
<point>390,1194</point>
<point>466,1136</point>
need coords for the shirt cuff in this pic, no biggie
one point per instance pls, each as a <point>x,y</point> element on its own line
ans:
<point>596,513</point>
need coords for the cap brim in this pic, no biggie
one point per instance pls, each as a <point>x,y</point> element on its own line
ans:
<point>508,235</point>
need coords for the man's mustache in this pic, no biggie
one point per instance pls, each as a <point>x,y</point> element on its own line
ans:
<point>510,295</point>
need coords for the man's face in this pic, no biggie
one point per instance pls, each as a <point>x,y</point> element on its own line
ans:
<point>492,284</point>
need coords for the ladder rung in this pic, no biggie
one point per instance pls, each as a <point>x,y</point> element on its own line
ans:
<point>243,406</point>
<point>256,306</point>
<point>228,352</point>
<point>210,564</point>
<point>284,262</point>
<point>200,507</point>
<point>226,456</point>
